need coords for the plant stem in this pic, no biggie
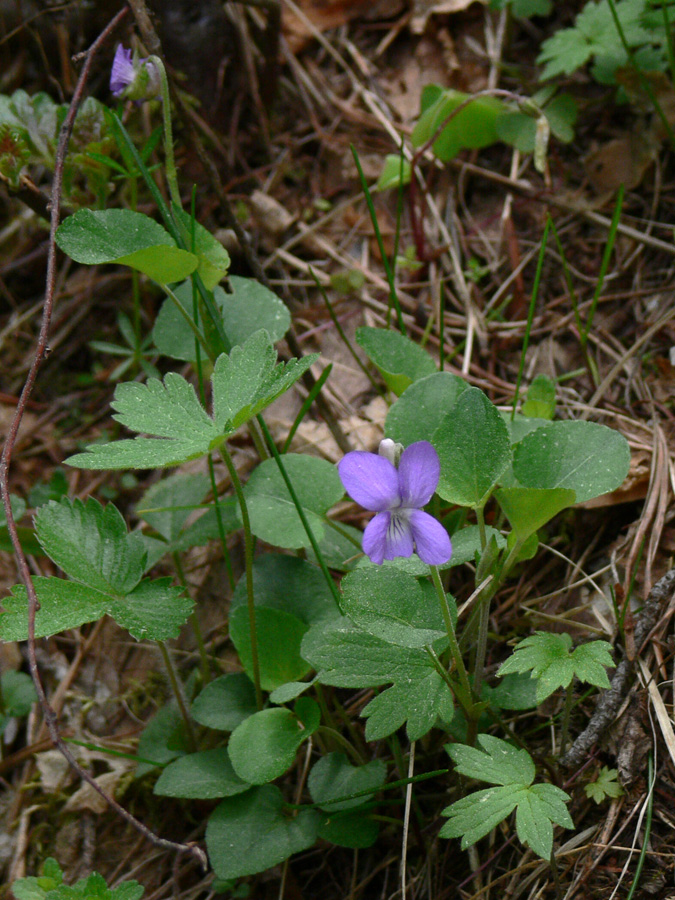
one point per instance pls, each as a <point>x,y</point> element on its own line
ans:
<point>171,172</point>
<point>480,518</point>
<point>248,557</point>
<point>177,689</point>
<point>455,652</point>
<point>194,622</point>
<point>567,710</point>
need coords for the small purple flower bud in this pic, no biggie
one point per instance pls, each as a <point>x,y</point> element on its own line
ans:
<point>133,79</point>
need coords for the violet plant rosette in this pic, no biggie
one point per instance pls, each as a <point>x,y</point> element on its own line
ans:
<point>396,485</point>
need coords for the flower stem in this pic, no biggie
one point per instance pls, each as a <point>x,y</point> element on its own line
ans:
<point>248,557</point>
<point>171,172</point>
<point>178,693</point>
<point>194,622</point>
<point>480,518</point>
<point>455,652</point>
<point>567,711</point>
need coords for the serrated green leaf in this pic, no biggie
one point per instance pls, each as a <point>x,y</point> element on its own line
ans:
<point>392,606</point>
<point>550,661</point>
<point>248,380</point>
<point>498,762</point>
<point>63,605</point>
<point>475,815</point>
<point>90,543</point>
<point>263,747</point>
<point>606,785</point>
<point>419,704</point>
<point>153,611</point>
<point>346,657</point>
<point>334,777</point>
<point>225,702</point>
<point>400,360</point>
<point>244,383</point>
<point>473,448</point>
<point>206,775</point>
<point>250,833</point>
<point>273,514</point>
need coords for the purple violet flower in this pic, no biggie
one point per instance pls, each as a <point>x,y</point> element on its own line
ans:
<point>397,495</point>
<point>133,79</point>
<point>123,71</point>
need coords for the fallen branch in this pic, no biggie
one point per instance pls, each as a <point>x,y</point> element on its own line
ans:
<point>611,700</point>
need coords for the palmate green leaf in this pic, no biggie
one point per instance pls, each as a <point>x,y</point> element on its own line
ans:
<point>392,606</point>
<point>249,379</point>
<point>538,806</point>
<point>418,705</point>
<point>400,360</point>
<point>244,383</point>
<point>274,517</point>
<point>547,656</point>
<point>606,785</point>
<point>125,237</point>
<point>90,543</point>
<point>498,762</point>
<point>250,832</point>
<point>63,605</point>
<point>346,657</point>
<point>154,610</point>
<point>263,747</point>
<point>475,815</point>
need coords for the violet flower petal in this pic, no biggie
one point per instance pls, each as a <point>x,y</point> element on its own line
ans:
<point>418,474</point>
<point>375,537</point>
<point>123,72</point>
<point>399,535</point>
<point>370,479</point>
<point>432,541</point>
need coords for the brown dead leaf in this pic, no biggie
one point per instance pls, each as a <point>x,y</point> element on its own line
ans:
<point>325,14</point>
<point>422,9</point>
<point>622,161</point>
